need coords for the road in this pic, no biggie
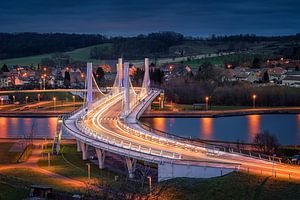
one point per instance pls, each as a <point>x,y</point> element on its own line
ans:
<point>103,120</point>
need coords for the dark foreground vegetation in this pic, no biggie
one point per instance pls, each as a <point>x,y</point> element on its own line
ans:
<point>239,186</point>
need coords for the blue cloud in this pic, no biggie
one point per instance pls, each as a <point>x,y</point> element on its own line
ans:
<point>131,17</point>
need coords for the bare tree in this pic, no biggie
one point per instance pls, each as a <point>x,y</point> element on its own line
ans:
<point>266,142</point>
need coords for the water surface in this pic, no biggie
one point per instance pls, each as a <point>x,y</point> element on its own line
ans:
<point>286,127</point>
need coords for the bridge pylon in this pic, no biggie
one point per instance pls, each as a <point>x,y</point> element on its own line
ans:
<point>146,81</point>
<point>120,74</point>
<point>126,95</point>
<point>89,84</point>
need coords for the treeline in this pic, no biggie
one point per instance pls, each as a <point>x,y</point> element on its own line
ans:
<point>229,94</point>
<point>28,44</point>
<point>153,45</point>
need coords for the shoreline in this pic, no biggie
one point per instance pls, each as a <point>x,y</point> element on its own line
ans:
<point>33,114</point>
<point>220,113</point>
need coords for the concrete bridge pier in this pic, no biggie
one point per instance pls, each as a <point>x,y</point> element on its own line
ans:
<point>131,166</point>
<point>84,148</point>
<point>101,157</point>
<point>78,145</point>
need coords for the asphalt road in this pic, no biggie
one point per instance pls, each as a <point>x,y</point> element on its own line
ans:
<point>103,120</point>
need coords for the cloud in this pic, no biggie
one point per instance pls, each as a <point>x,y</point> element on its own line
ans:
<point>119,17</point>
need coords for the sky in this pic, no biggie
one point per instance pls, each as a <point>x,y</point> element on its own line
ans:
<point>133,17</point>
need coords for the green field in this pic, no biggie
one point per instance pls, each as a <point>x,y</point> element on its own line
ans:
<point>221,60</point>
<point>8,192</point>
<point>70,164</point>
<point>235,186</point>
<point>6,156</point>
<point>82,54</point>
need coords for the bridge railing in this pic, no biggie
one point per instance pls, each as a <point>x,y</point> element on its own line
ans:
<point>79,122</point>
<point>124,143</point>
<point>210,148</point>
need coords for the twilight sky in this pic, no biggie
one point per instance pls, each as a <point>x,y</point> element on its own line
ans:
<point>132,17</point>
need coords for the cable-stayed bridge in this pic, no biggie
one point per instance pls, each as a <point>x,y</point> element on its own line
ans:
<point>108,122</point>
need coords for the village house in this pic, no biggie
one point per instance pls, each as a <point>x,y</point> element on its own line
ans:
<point>292,79</point>
<point>276,74</point>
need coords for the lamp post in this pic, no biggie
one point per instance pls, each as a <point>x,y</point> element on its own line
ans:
<point>159,102</point>
<point>54,103</point>
<point>273,167</point>
<point>206,102</point>
<point>14,99</point>
<point>39,97</point>
<point>73,101</point>
<point>26,99</point>
<point>254,99</point>
<point>89,170</point>
<point>150,183</point>
<point>2,101</point>
<point>44,81</point>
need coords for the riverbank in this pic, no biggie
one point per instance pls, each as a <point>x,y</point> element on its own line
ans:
<point>32,113</point>
<point>221,113</point>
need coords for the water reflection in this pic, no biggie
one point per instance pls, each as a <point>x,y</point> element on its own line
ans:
<point>206,128</point>
<point>3,127</point>
<point>253,126</point>
<point>20,127</point>
<point>52,126</point>
<point>242,128</point>
<point>160,123</point>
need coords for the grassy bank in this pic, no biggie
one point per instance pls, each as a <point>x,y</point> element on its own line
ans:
<point>6,156</point>
<point>82,54</point>
<point>8,192</point>
<point>70,164</point>
<point>235,186</point>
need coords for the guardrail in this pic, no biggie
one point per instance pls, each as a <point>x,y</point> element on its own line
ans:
<point>108,146</point>
<point>211,148</point>
<point>80,125</point>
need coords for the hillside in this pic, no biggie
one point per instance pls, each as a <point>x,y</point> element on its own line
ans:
<point>82,54</point>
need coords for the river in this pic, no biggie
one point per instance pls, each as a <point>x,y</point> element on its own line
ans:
<point>286,127</point>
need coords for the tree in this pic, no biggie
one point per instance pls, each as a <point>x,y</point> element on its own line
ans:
<point>255,63</point>
<point>157,76</point>
<point>67,80</point>
<point>138,76</point>
<point>266,143</point>
<point>99,74</point>
<point>4,68</point>
<point>265,78</point>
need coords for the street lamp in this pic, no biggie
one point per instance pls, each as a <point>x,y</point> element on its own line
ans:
<point>89,170</point>
<point>159,102</point>
<point>150,183</point>
<point>26,99</point>
<point>2,101</point>
<point>254,99</point>
<point>273,167</point>
<point>43,77</point>
<point>39,97</point>
<point>54,103</point>
<point>206,102</point>
<point>73,100</point>
<point>14,99</point>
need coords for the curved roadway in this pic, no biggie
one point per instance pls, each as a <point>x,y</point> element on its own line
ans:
<point>104,119</point>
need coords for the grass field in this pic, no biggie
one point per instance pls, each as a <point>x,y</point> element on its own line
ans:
<point>6,156</point>
<point>235,186</point>
<point>82,54</point>
<point>221,60</point>
<point>70,164</point>
<point>8,192</point>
